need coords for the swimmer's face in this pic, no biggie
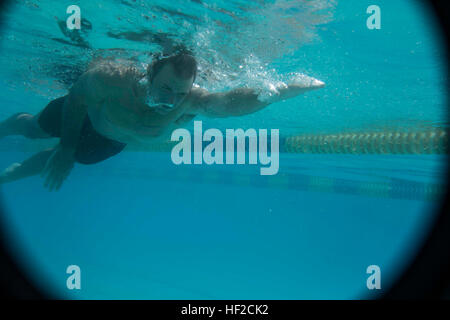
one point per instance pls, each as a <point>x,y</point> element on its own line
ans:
<point>169,88</point>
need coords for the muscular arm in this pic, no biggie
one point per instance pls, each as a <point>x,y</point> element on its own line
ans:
<point>60,162</point>
<point>82,94</point>
<point>243,101</point>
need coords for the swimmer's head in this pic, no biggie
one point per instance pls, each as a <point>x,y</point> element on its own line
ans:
<point>170,79</point>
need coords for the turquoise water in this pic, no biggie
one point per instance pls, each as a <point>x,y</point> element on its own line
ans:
<point>141,227</point>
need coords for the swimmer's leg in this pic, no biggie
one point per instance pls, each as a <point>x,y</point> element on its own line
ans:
<point>24,124</point>
<point>30,167</point>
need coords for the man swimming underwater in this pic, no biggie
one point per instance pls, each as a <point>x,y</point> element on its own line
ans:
<point>112,105</point>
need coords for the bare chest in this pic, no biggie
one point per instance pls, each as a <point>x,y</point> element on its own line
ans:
<point>115,117</point>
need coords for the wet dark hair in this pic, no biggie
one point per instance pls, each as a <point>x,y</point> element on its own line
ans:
<point>185,66</point>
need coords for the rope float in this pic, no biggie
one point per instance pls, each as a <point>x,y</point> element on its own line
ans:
<point>431,141</point>
<point>391,188</point>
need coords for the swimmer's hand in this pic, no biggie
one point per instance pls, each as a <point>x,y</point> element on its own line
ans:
<point>58,168</point>
<point>296,88</point>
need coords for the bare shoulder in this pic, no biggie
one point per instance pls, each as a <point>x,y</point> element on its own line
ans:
<point>106,79</point>
<point>113,74</point>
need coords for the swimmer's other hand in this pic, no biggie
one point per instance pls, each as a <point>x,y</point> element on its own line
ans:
<point>294,89</point>
<point>57,168</point>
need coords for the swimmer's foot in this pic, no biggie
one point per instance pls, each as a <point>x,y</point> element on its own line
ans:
<point>6,175</point>
<point>15,124</point>
<point>6,126</point>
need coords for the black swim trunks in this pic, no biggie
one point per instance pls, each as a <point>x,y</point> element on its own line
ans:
<point>92,146</point>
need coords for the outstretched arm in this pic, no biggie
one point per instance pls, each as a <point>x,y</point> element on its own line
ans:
<point>244,101</point>
<point>86,91</point>
<point>61,159</point>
